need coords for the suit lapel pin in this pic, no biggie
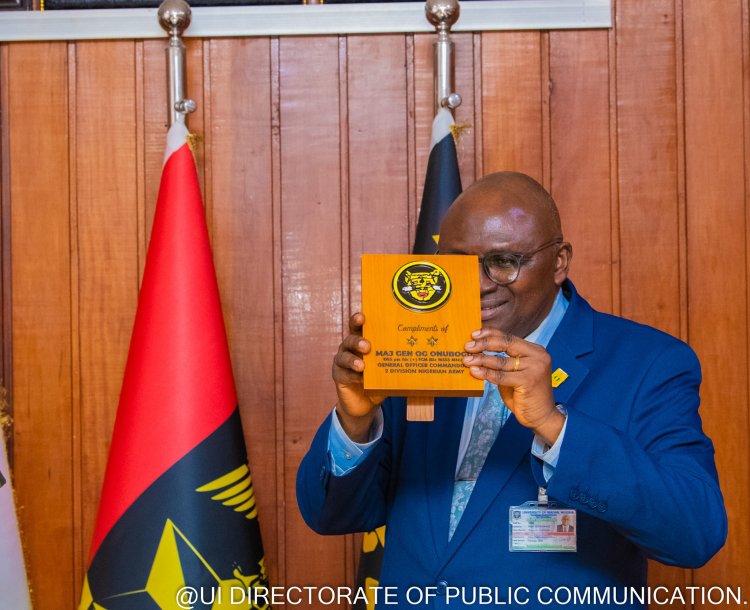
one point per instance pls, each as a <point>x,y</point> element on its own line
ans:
<point>558,377</point>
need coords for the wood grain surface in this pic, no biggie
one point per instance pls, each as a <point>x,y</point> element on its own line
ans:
<point>311,274</point>
<point>312,151</point>
<point>580,148</point>
<point>414,338</point>
<point>512,93</point>
<point>45,473</point>
<point>715,170</point>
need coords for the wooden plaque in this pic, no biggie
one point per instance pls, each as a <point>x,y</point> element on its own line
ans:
<point>419,313</point>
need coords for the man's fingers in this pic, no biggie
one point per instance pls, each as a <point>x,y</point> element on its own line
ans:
<point>355,344</point>
<point>498,363</point>
<point>348,361</point>
<point>492,340</point>
<point>346,377</point>
<point>499,377</point>
<point>500,370</point>
<point>356,321</point>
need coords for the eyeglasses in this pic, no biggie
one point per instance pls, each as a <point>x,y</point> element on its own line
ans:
<point>503,268</point>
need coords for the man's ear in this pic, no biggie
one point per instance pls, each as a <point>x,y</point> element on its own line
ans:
<point>562,262</point>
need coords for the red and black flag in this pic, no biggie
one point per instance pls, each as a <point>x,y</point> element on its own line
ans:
<point>442,185</point>
<point>177,507</point>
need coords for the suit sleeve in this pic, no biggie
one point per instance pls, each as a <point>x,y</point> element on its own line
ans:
<point>655,482</point>
<point>352,502</point>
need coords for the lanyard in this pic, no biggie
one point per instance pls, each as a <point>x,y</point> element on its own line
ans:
<point>541,498</point>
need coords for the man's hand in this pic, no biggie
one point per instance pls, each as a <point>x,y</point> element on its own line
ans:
<point>523,379</point>
<point>356,411</point>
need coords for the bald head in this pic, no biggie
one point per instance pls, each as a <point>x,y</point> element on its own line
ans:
<point>508,216</point>
<point>505,190</point>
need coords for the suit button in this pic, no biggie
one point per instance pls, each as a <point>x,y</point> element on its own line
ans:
<point>584,497</point>
<point>442,586</point>
<point>575,494</point>
<point>603,506</point>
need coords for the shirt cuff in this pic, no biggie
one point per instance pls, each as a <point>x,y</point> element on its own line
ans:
<point>548,455</point>
<point>345,454</point>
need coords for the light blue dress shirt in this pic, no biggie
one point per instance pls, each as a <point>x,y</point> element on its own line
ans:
<point>345,454</point>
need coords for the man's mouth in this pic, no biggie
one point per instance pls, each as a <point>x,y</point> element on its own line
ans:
<point>489,310</point>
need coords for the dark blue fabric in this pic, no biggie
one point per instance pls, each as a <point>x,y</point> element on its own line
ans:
<point>635,464</point>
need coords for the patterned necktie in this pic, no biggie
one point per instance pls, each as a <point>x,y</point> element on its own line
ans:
<point>491,417</point>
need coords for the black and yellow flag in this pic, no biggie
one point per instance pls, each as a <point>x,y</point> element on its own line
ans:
<point>442,184</point>
<point>177,525</point>
<point>441,187</point>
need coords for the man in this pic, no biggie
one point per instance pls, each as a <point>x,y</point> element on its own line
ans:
<point>565,525</point>
<point>618,441</point>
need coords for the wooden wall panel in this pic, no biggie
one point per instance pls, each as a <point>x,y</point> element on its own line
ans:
<point>512,84</point>
<point>312,150</point>
<point>107,262</point>
<point>424,111</point>
<point>580,163</point>
<point>465,112</point>
<point>651,208</point>
<point>378,168</point>
<point>41,316</point>
<point>6,248</point>
<point>647,132</point>
<point>241,180</point>
<point>717,241</point>
<point>154,121</point>
<point>311,276</point>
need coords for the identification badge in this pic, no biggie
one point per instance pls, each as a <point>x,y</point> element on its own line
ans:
<point>541,528</point>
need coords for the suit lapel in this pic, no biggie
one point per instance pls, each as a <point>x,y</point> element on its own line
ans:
<point>443,439</point>
<point>563,358</point>
<point>572,339</point>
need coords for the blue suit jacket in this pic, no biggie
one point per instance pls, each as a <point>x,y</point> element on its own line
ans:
<point>635,464</point>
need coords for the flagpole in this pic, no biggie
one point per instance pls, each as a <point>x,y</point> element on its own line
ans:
<point>443,14</point>
<point>174,18</point>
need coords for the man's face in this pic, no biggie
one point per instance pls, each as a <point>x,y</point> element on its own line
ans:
<point>481,226</point>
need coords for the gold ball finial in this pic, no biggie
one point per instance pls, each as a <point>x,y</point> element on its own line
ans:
<point>442,13</point>
<point>174,16</point>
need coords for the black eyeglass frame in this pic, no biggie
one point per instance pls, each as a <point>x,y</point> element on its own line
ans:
<point>521,258</point>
